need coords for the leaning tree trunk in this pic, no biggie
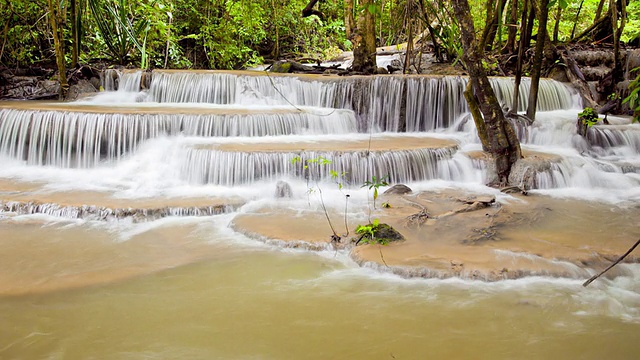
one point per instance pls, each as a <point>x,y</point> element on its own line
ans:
<point>54,20</point>
<point>364,40</point>
<point>536,70</point>
<point>496,133</point>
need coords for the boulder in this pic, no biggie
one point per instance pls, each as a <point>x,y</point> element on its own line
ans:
<point>82,87</point>
<point>398,189</point>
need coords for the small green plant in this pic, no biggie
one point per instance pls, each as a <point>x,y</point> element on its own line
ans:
<point>588,116</point>
<point>337,178</point>
<point>375,183</point>
<point>368,233</point>
<point>312,167</point>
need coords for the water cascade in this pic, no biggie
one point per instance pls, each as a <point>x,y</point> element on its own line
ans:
<point>74,138</point>
<point>392,103</point>
<point>204,166</point>
<point>160,204</point>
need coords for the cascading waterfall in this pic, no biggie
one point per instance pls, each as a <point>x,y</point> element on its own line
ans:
<point>204,166</point>
<point>611,136</point>
<point>580,172</point>
<point>341,105</point>
<point>121,80</point>
<point>431,102</point>
<point>79,139</point>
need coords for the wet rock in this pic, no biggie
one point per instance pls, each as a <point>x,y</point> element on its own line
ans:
<point>558,73</point>
<point>283,190</point>
<point>288,66</point>
<point>524,171</point>
<point>382,233</point>
<point>82,87</point>
<point>92,212</point>
<point>398,189</point>
<point>95,81</point>
<point>381,71</point>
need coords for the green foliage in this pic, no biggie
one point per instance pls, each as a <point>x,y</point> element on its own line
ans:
<point>120,29</point>
<point>632,28</point>
<point>588,116</point>
<point>375,183</point>
<point>368,233</point>
<point>633,99</point>
<point>24,29</point>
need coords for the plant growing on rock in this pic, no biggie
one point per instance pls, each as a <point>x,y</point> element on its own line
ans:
<point>377,233</point>
<point>588,117</point>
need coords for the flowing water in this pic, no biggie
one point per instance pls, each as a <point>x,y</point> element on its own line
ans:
<point>116,236</point>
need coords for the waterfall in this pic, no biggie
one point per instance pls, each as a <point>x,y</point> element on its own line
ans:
<point>204,166</point>
<point>80,139</point>
<point>431,102</point>
<point>609,136</point>
<point>121,80</point>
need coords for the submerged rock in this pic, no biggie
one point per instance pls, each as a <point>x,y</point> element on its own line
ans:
<point>283,190</point>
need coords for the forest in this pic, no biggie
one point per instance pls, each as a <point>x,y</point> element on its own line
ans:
<point>235,34</point>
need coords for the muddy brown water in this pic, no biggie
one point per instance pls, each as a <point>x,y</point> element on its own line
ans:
<point>195,288</point>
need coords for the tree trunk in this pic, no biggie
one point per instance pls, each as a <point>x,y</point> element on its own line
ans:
<point>617,72</point>
<point>364,40</point>
<point>556,27</point>
<point>575,22</point>
<point>496,20</point>
<point>348,18</point>
<point>510,46</point>
<point>529,30</point>
<point>521,48</point>
<point>496,133</point>
<point>599,11</point>
<point>54,20</point>
<point>74,33</point>
<point>543,14</point>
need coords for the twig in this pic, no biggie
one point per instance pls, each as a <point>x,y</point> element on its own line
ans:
<point>612,265</point>
<point>381,256</point>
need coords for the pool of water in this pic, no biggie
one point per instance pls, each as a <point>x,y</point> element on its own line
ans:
<point>200,293</point>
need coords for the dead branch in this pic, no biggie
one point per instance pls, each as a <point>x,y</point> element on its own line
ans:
<point>586,283</point>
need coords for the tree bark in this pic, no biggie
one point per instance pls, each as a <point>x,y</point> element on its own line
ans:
<point>529,30</point>
<point>496,133</point>
<point>521,48</point>
<point>492,30</point>
<point>364,39</point>
<point>54,20</point>
<point>556,27</point>
<point>599,11</point>
<point>309,10</point>
<point>348,18</point>
<point>617,72</point>
<point>543,14</point>
<point>575,22</point>
<point>74,33</point>
<point>510,46</point>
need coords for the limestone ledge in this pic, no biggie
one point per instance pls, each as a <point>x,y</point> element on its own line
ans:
<point>93,212</point>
